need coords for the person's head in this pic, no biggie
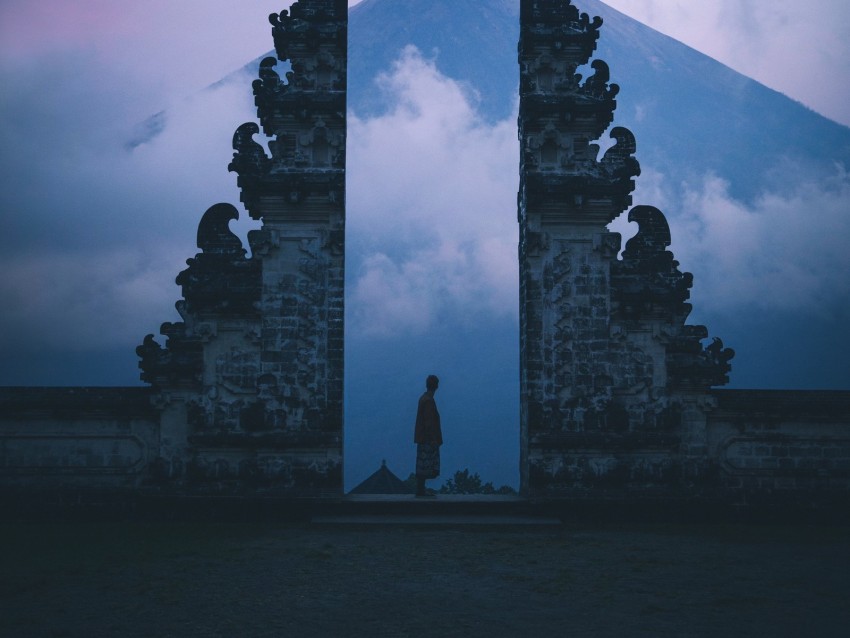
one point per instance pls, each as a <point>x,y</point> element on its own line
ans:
<point>432,383</point>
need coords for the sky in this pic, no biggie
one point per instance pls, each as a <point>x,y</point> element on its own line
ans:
<point>94,233</point>
<point>800,49</point>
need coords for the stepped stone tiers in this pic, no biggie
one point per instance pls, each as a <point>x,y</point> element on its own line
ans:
<point>614,384</point>
<point>251,381</point>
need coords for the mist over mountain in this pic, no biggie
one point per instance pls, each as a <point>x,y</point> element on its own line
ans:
<point>730,161</point>
<point>754,184</point>
<point>700,126</point>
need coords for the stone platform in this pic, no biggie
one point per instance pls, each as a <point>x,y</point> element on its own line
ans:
<point>372,510</point>
<point>439,510</point>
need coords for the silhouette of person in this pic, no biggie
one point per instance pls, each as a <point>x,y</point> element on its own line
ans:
<point>427,436</point>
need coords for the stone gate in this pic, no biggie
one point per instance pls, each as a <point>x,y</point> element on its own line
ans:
<point>613,380</point>
<point>618,392</point>
<point>251,381</point>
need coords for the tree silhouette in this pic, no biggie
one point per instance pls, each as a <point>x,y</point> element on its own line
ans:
<point>465,483</point>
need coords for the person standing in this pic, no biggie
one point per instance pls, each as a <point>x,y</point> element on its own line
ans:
<point>427,436</point>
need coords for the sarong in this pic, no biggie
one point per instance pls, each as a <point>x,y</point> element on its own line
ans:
<point>427,460</point>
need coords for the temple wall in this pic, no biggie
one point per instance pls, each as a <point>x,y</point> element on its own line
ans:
<point>617,390</point>
<point>770,443</point>
<point>91,440</point>
<point>76,438</point>
<point>250,384</point>
<point>760,446</point>
<point>739,446</point>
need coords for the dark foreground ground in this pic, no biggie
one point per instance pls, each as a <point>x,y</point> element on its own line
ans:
<point>284,579</point>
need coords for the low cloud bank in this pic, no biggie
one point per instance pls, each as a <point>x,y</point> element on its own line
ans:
<point>94,234</point>
<point>432,219</point>
<point>783,252</point>
<point>431,206</point>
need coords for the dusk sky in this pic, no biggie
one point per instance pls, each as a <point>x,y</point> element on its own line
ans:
<point>94,233</point>
<point>80,76</point>
<point>170,49</point>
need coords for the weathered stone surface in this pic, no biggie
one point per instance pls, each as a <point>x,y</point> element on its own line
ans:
<point>252,379</point>
<point>92,438</point>
<point>788,447</point>
<point>305,114</point>
<point>616,388</point>
<point>604,345</point>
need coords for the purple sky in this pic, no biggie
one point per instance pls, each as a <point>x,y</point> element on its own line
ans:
<point>79,77</point>
<point>171,49</point>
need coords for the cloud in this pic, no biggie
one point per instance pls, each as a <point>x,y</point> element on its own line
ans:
<point>95,234</point>
<point>783,252</point>
<point>169,48</point>
<point>804,54</point>
<point>433,228</point>
<point>76,303</point>
<point>431,206</point>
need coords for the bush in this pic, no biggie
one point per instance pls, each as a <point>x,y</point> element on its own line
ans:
<point>465,483</point>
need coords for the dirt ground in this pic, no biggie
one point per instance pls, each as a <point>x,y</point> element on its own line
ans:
<point>203,579</point>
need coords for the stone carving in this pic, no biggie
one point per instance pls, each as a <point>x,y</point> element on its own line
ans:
<point>250,158</point>
<point>258,359</point>
<point>220,280</point>
<point>689,364</point>
<point>619,161</point>
<point>269,88</point>
<point>647,285</point>
<point>308,25</point>
<point>597,84</point>
<point>219,283</point>
<point>180,362</point>
<point>548,150</point>
<point>560,117</point>
<point>648,279</point>
<point>603,346</point>
<point>562,15</point>
<point>214,234</point>
<point>304,116</point>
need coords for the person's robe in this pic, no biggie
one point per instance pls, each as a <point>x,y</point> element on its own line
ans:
<point>427,428</point>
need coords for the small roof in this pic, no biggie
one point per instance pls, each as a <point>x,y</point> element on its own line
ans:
<point>382,482</point>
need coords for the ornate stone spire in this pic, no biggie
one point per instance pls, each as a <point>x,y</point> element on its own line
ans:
<point>604,349</point>
<point>561,113</point>
<point>252,378</point>
<point>304,114</point>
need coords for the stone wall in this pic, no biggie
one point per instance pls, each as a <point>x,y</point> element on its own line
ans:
<point>86,441</point>
<point>250,383</point>
<point>781,445</point>
<point>613,379</point>
<point>617,390</point>
<point>761,446</point>
<point>77,438</point>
